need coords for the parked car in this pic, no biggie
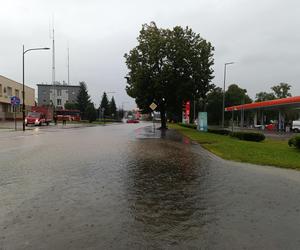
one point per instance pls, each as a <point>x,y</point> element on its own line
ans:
<point>132,121</point>
<point>296,126</point>
<point>271,126</point>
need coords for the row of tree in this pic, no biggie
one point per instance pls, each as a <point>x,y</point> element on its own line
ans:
<point>108,108</point>
<point>237,96</point>
<point>87,108</point>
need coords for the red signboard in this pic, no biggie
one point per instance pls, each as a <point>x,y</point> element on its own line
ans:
<point>188,108</point>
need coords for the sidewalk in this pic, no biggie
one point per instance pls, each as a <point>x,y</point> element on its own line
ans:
<point>10,126</point>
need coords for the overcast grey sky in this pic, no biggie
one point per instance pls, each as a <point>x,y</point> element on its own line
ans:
<point>261,36</point>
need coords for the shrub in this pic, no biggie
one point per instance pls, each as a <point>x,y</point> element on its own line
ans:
<point>294,141</point>
<point>219,131</point>
<point>248,136</point>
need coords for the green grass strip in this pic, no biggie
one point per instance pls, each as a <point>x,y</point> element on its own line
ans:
<point>269,152</point>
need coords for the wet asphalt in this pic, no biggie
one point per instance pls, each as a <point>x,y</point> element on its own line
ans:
<point>130,187</point>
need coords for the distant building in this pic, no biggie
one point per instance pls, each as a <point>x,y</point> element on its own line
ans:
<point>57,95</point>
<point>10,88</point>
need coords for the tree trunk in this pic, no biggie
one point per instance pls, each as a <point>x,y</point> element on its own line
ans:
<point>163,117</point>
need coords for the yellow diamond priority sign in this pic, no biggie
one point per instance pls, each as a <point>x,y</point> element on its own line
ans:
<point>153,106</point>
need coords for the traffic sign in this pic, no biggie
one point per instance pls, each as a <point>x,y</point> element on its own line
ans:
<point>153,106</point>
<point>14,100</point>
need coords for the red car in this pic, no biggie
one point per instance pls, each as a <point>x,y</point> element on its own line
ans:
<point>132,121</point>
<point>271,126</point>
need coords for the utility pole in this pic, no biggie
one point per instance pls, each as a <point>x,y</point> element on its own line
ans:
<point>23,92</point>
<point>225,65</point>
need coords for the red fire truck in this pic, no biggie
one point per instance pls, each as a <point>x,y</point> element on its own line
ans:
<point>39,115</point>
<point>68,115</point>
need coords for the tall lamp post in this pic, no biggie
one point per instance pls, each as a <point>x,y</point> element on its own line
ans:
<point>123,109</point>
<point>225,65</point>
<point>23,94</point>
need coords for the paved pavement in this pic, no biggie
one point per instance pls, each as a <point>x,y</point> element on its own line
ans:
<point>9,126</point>
<point>129,187</point>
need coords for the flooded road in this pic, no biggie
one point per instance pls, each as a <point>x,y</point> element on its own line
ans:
<point>128,187</point>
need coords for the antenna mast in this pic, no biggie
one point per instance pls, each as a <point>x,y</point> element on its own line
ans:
<point>68,65</point>
<point>53,57</point>
<point>53,63</point>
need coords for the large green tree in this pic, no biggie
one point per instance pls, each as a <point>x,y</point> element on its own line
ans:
<point>236,96</point>
<point>215,106</point>
<point>104,105</point>
<point>91,112</point>
<point>264,96</point>
<point>113,108</point>
<point>83,99</point>
<point>168,66</point>
<point>282,90</point>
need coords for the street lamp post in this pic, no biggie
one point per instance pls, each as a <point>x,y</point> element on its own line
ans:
<point>23,94</point>
<point>225,65</point>
<point>123,109</point>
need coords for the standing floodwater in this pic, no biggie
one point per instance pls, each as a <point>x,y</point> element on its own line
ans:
<point>128,187</point>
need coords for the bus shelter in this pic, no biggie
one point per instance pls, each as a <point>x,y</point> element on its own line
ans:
<point>280,106</point>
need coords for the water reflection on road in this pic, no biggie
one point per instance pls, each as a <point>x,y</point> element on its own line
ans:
<point>130,187</point>
<point>165,187</point>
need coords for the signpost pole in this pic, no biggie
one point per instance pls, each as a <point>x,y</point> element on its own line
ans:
<point>15,117</point>
<point>153,122</point>
<point>153,106</point>
<point>15,101</point>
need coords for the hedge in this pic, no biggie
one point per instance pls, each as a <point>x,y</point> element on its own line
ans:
<point>219,131</point>
<point>294,141</point>
<point>248,136</point>
<point>215,131</point>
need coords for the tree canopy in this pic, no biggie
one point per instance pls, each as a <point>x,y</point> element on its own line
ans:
<point>236,96</point>
<point>214,106</point>
<point>282,90</point>
<point>83,99</point>
<point>264,96</point>
<point>104,105</point>
<point>112,107</point>
<point>168,66</point>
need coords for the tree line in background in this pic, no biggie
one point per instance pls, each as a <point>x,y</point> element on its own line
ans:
<point>237,96</point>
<point>88,111</point>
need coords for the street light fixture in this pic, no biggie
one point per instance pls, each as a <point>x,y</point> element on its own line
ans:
<point>23,94</point>
<point>225,65</point>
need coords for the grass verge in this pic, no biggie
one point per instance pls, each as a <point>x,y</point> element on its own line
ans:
<point>269,152</point>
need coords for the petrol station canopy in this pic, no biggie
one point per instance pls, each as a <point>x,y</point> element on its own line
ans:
<point>284,103</point>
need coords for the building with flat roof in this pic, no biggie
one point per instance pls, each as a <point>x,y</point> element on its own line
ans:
<point>9,88</point>
<point>57,94</point>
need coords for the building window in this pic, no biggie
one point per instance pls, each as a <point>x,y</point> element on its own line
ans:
<point>59,92</point>
<point>17,92</point>
<point>9,91</point>
<point>0,89</point>
<point>58,102</point>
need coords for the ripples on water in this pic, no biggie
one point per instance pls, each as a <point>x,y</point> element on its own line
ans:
<point>166,188</point>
